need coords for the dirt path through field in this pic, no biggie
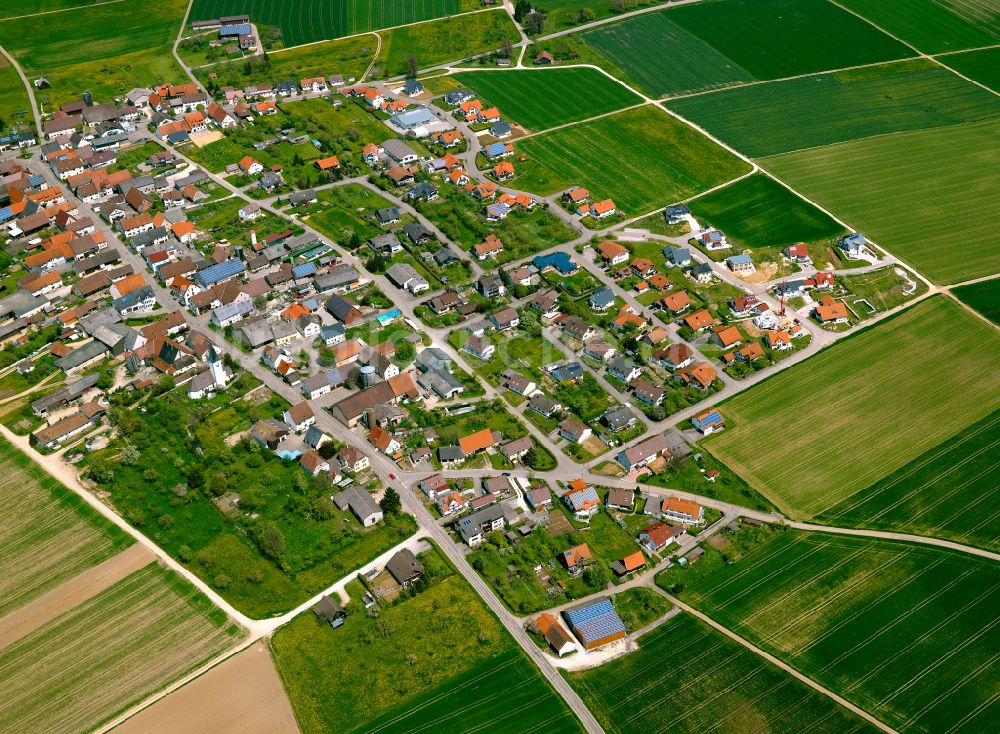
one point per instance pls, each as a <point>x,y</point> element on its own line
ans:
<point>70,593</point>
<point>243,695</point>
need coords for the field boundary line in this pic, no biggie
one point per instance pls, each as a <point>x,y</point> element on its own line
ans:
<point>966,50</point>
<point>28,88</point>
<point>777,662</point>
<point>222,657</point>
<point>969,123</point>
<point>967,307</point>
<point>758,82</point>
<point>889,535</point>
<point>581,122</point>
<point>378,50</point>
<point>876,26</point>
<point>61,10</point>
<point>613,19</point>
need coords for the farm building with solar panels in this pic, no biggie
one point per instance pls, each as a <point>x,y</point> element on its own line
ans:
<point>595,623</point>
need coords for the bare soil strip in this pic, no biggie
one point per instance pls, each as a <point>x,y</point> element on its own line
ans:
<point>242,695</point>
<point>72,592</point>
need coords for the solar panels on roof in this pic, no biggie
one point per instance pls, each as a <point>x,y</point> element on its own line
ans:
<point>241,29</point>
<point>595,622</point>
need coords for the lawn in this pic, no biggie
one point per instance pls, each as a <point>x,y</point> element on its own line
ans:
<point>348,57</point>
<point>115,47</point>
<point>112,650</point>
<point>721,687</point>
<point>383,669</point>
<point>883,288</point>
<point>982,66</point>
<point>903,631</point>
<point>934,26</point>
<point>711,44</point>
<point>13,98</point>
<point>639,607</point>
<point>983,296</point>
<point>563,14</point>
<point>862,408</point>
<point>641,158</point>
<point>284,542</point>
<point>759,212</point>
<point>540,99</point>
<point>779,117</point>
<point>341,213</point>
<point>523,233</point>
<point>455,38</point>
<point>916,194</point>
<point>946,492</point>
<point>49,534</point>
<point>306,21</point>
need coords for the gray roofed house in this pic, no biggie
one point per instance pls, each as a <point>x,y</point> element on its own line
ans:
<point>433,358</point>
<point>399,151</point>
<point>82,356</point>
<point>602,299</point>
<point>423,191</point>
<point>417,232</point>
<point>444,256</point>
<point>21,304</point>
<point>680,256</point>
<point>457,96</point>
<point>405,567</point>
<point>305,196</point>
<point>255,334</point>
<point>387,215</point>
<point>338,277</point>
<point>450,454</point>
<point>360,503</point>
<point>441,382</point>
<point>385,244</point>
<point>66,394</point>
<point>619,418</point>
<point>516,448</point>
<point>404,275</point>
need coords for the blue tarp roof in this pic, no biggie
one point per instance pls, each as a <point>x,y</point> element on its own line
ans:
<point>558,260</point>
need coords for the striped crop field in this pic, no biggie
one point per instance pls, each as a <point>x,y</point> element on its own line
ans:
<point>641,158</point>
<point>934,26</point>
<point>946,492</point>
<point>983,296</point>
<point>915,194</point>
<point>721,686</point>
<point>541,99</point>
<point>982,66</point>
<point>119,646</point>
<point>706,45</point>
<point>780,117</point>
<point>818,432</point>
<point>47,533</point>
<point>305,21</point>
<point>907,633</point>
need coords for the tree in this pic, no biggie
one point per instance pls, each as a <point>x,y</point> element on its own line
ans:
<point>587,15</point>
<point>327,450</point>
<point>406,351</point>
<point>534,23</point>
<point>272,542</point>
<point>129,455</point>
<point>506,48</point>
<point>412,67</point>
<point>522,9</point>
<point>390,503</point>
<point>531,457</point>
<point>597,576</point>
<point>619,6</point>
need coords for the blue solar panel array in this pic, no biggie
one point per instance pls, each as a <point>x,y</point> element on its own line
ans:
<point>243,29</point>
<point>218,273</point>
<point>595,622</point>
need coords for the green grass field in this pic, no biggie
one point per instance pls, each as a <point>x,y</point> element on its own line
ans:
<point>13,99</point>
<point>116,46</point>
<point>767,119</point>
<point>112,650</point>
<point>444,40</point>
<point>946,492</point>
<point>402,669</point>
<point>563,14</point>
<point>934,26</point>
<point>903,631</point>
<point>48,533</point>
<point>720,687</point>
<point>759,212</point>
<point>983,296</point>
<point>100,58</point>
<point>916,194</point>
<point>546,98</point>
<point>30,7</point>
<point>862,408</point>
<point>641,158</point>
<point>710,44</point>
<point>982,66</point>
<point>306,21</point>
